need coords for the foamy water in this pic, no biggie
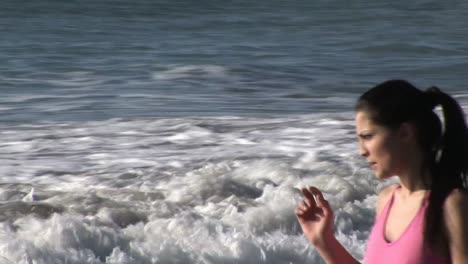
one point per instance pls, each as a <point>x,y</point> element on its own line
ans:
<point>189,190</point>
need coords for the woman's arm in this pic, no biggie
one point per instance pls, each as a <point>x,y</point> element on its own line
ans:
<point>316,219</point>
<point>456,221</point>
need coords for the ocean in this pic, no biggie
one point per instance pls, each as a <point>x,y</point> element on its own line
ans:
<point>180,131</point>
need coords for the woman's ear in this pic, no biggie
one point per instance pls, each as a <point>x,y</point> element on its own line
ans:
<point>407,132</point>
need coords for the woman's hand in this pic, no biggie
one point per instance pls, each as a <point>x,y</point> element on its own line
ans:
<point>315,217</point>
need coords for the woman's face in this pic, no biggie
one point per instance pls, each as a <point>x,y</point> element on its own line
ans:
<point>381,146</point>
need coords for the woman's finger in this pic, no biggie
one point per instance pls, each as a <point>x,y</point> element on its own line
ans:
<point>309,198</point>
<point>300,212</point>
<point>321,202</point>
<point>316,193</point>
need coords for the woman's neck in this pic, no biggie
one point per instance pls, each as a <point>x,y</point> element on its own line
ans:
<point>414,179</point>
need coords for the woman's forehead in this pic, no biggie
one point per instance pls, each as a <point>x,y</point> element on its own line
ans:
<point>364,122</point>
<point>362,118</point>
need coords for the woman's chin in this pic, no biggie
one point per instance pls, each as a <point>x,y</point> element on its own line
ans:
<point>382,176</point>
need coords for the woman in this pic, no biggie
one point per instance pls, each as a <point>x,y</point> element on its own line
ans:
<point>424,218</point>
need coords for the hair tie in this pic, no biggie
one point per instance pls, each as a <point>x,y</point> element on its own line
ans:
<point>431,97</point>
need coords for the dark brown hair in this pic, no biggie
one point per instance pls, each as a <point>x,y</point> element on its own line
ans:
<point>444,145</point>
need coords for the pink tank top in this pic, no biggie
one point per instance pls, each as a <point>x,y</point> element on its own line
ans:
<point>407,249</point>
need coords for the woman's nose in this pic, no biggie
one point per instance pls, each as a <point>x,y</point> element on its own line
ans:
<point>362,150</point>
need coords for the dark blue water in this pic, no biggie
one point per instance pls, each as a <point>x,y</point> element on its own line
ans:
<point>96,60</point>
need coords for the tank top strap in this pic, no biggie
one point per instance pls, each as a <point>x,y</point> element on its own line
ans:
<point>383,214</point>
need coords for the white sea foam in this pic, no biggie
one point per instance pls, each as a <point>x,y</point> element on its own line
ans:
<point>76,79</point>
<point>173,72</point>
<point>188,190</point>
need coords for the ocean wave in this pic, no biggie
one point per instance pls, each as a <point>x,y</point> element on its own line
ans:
<point>175,72</point>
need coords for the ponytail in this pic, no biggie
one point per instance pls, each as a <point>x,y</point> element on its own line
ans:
<point>449,164</point>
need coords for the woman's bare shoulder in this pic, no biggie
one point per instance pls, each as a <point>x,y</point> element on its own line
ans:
<point>456,221</point>
<point>384,196</point>
<point>456,203</point>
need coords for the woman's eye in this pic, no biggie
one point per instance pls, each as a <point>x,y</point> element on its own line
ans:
<point>366,136</point>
